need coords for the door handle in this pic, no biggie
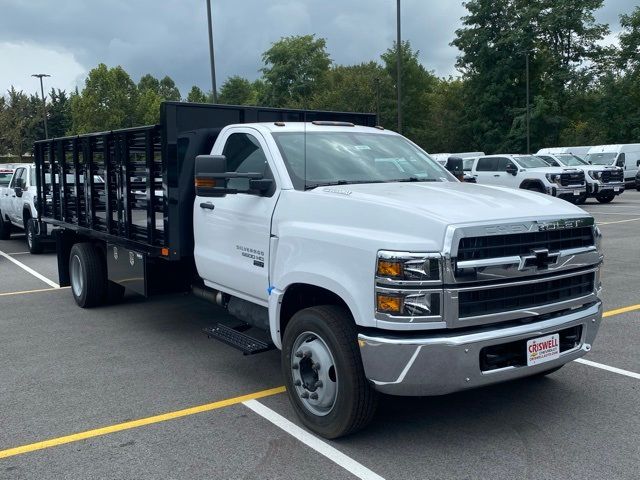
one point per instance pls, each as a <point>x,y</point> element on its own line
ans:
<point>207,205</point>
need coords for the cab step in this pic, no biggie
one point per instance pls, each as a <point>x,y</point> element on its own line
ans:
<point>235,338</point>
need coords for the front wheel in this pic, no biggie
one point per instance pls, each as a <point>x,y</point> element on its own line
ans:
<point>323,372</point>
<point>5,228</point>
<point>605,197</point>
<point>34,244</point>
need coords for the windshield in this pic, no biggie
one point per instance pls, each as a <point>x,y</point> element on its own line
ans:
<point>571,160</point>
<point>601,158</point>
<point>334,158</point>
<point>5,178</point>
<point>529,161</point>
<point>467,164</point>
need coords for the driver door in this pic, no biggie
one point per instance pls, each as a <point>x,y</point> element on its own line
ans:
<point>233,233</point>
<point>19,180</point>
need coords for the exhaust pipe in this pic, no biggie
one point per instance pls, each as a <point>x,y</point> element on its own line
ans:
<point>210,295</point>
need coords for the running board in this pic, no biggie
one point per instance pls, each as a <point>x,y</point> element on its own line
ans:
<point>235,338</point>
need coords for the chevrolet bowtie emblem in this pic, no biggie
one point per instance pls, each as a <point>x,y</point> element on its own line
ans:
<point>539,258</point>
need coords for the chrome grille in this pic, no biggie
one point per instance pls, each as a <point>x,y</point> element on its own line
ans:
<point>527,295</point>
<point>495,246</point>
<point>573,178</point>
<point>608,176</point>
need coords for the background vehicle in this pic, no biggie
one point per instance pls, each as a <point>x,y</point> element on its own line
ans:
<point>529,173</point>
<point>579,151</point>
<point>18,208</point>
<point>638,181</point>
<point>626,156</point>
<point>604,183</point>
<point>5,176</point>
<point>345,246</point>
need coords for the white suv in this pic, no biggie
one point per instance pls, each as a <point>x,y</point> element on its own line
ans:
<point>530,173</point>
<point>604,182</point>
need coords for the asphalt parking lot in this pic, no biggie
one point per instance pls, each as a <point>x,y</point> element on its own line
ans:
<point>131,370</point>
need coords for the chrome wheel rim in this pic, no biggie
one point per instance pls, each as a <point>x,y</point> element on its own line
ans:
<point>77,280</point>
<point>314,373</point>
<point>30,237</point>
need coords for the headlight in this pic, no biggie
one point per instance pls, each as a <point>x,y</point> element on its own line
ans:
<point>405,268</point>
<point>595,174</point>
<point>553,177</point>
<point>408,286</point>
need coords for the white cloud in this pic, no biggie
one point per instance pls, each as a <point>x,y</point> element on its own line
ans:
<point>20,60</point>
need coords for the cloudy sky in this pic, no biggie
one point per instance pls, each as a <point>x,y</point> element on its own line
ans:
<point>66,38</point>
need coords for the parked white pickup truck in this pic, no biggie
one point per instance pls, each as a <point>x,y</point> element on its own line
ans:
<point>529,173</point>
<point>347,247</point>
<point>604,183</point>
<point>18,207</point>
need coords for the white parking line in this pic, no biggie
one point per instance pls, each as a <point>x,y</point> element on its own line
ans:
<point>618,221</point>
<point>30,270</point>
<point>320,446</point>
<point>609,369</point>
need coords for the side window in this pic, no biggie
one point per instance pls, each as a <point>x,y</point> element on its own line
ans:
<point>487,164</point>
<point>620,161</point>
<point>18,179</point>
<point>502,164</point>
<point>245,155</point>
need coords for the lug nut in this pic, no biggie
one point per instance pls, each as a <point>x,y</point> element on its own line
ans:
<point>304,395</point>
<point>315,366</point>
<point>319,384</point>
<point>297,383</point>
<point>313,396</point>
<point>295,366</point>
<point>307,354</point>
<point>299,354</point>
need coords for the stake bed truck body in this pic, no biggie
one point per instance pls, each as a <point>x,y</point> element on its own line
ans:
<point>369,265</point>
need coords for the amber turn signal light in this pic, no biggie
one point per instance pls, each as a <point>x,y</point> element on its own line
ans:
<point>389,268</point>
<point>205,183</point>
<point>389,304</point>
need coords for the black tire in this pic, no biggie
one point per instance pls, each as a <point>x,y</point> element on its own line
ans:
<point>605,197</point>
<point>356,400</point>
<point>34,243</point>
<point>534,187</point>
<point>547,372</point>
<point>581,200</point>
<point>88,277</point>
<point>5,228</point>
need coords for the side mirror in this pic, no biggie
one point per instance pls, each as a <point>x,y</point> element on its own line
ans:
<point>512,169</point>
<point>638,163</point>
<point>212,178</point>
<point>18,191</point>
<point>456,167</point>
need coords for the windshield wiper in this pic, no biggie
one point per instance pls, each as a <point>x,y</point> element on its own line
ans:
<point>413,179</point>
<point>311,186</point>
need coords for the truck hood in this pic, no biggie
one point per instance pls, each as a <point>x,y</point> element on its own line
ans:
<point>544,170</point>
<point>455,202</point>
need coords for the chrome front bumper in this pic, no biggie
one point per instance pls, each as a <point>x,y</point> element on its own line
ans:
<point>567,191</point>
<point>446,362</point>
<point>606,187</point>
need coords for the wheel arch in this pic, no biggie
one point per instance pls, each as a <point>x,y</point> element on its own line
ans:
<point>283,304</point>
<point>532,182</point>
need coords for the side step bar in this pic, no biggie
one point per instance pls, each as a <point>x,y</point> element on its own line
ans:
<point>235,338</point>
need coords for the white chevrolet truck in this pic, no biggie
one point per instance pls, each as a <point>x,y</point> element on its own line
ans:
<point>18,210</point>
<point>529,172</point>
<point>365,262</point>
<point>604,182</point>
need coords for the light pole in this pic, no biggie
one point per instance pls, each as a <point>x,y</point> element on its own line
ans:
<point>211,55</point>
<point>399,59</point>
<point>526,56</point>
<point>44,103</point>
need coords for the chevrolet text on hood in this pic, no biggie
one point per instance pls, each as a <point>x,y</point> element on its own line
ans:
<point>340,243</point>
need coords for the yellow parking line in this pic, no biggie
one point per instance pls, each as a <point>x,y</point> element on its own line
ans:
<point>23,292</point>
<point>137,423</point>
<point>618,311</point>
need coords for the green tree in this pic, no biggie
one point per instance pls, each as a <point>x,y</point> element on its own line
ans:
<point>108,101</point>
<point>168,90</point>
<point>58,113</point>
<point>196,95</point>
<point>295,68</point>
<point>237,91</point>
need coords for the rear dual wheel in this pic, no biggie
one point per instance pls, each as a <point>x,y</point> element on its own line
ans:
<point>88,277</point>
